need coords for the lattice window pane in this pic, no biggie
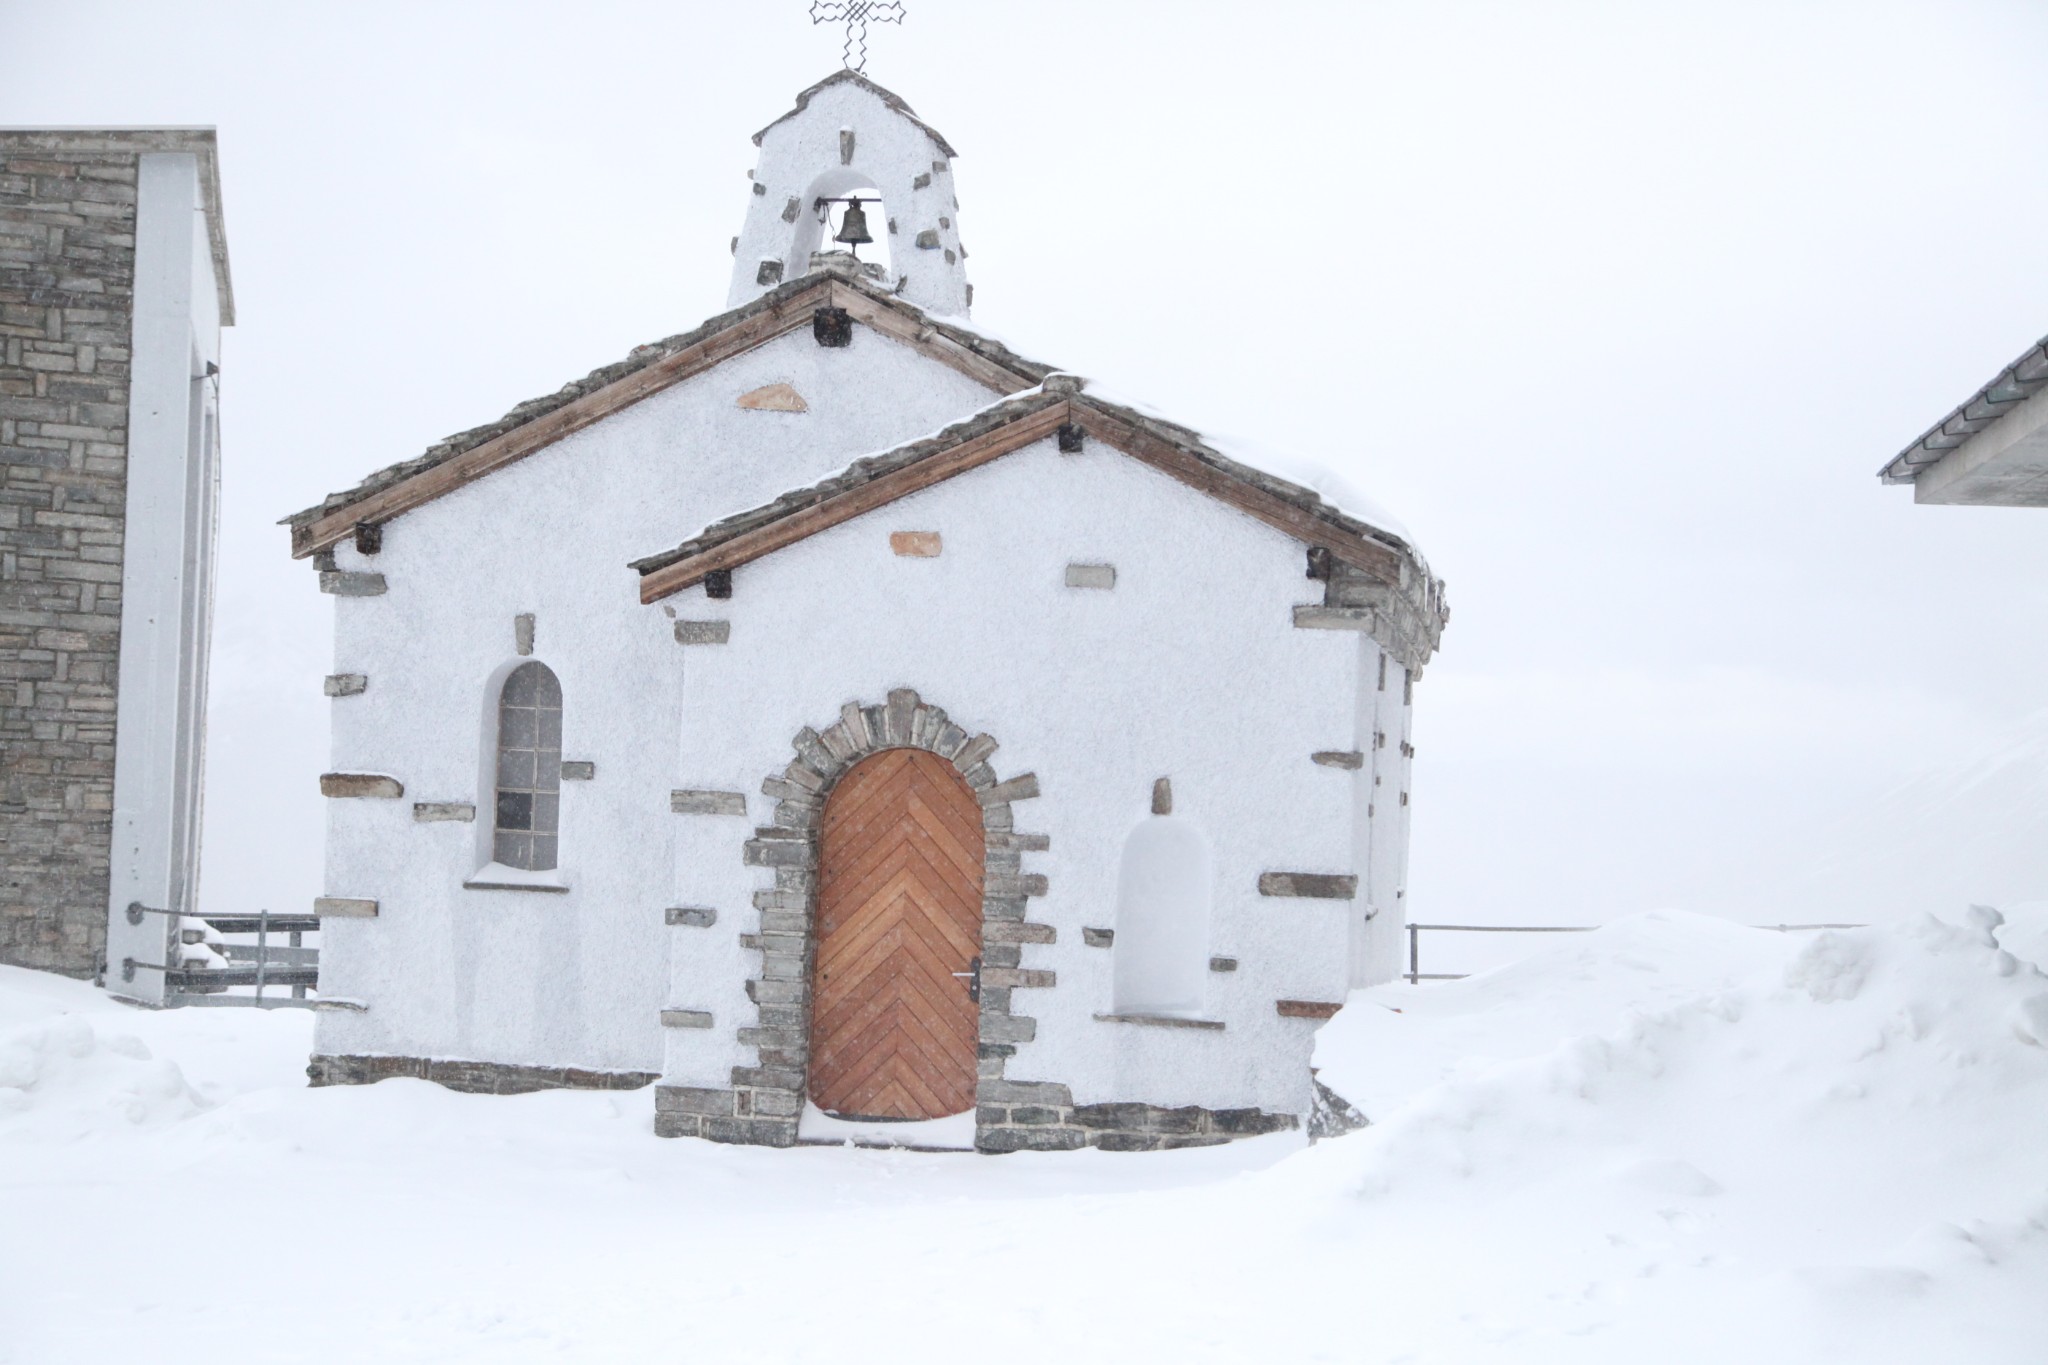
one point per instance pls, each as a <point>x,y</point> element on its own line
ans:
<point>528,807</point>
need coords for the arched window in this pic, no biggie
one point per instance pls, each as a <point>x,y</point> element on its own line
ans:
<point>1162,919</point>
<point>529,769</point>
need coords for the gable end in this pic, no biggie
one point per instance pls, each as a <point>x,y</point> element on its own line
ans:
<point>1375,562</point>
<point>541,422</point>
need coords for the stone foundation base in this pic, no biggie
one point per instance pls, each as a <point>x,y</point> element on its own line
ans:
<point>743,1115</point>
<point>1010,1116</point>
<point>477,1078</point>
<point>1017,1116</point>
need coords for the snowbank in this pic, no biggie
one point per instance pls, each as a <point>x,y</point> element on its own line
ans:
<point>1673,1139</point>
<point>1781,1147</point>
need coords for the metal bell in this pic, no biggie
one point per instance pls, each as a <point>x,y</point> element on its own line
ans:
<point>853,228</point>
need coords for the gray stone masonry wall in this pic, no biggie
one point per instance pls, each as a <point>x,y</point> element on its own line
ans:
<point>476,1078</point>
<point>67,259</point>
<point>1024,1117</point>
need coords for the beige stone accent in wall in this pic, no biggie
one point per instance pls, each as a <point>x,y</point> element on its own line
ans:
<point>774,398</point>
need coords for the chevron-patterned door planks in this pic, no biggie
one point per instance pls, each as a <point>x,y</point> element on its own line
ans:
<point>893,1025</point>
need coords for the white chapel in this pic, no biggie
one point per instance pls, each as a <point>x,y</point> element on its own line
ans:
<point>856,730</point>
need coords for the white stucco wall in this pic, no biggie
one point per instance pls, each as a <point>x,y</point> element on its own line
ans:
<point>1380,810</point>
<point>167,570</point>
<point>801,159</point>
<point>571,979</point>
<point>1189,668</point>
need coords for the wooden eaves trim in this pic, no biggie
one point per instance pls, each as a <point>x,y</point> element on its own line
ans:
<point>896,321</point>
<point>1034,425</point>
<point>662,579</point>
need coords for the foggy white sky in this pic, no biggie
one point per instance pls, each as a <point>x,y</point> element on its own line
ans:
<point>1619,307</point>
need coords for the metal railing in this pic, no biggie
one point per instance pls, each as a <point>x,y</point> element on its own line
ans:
<point>1415,974</point>
<point>265,965</point>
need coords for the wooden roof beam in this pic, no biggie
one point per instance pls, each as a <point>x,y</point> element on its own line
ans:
<point>836,508</point>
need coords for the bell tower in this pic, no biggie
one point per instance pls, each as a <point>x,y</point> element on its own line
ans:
<point>849,136</point>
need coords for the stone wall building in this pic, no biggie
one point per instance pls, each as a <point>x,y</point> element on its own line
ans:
<point>856,728</point>
<point>113,290</point>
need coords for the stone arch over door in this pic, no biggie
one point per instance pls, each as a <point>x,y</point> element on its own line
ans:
<point>768,1097</point>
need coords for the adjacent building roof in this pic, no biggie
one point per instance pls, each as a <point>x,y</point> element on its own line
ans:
<point>1986,408</point>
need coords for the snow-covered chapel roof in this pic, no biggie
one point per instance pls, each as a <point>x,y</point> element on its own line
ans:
<point>1037,400</point>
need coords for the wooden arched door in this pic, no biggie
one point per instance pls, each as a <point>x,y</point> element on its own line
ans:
<point>894,1018</point>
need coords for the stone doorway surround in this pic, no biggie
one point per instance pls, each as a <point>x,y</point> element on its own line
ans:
<point>763,1102</point>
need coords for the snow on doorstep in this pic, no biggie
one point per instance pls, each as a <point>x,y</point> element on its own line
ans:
<point>955,1132</point>
<point>1671,1140</point>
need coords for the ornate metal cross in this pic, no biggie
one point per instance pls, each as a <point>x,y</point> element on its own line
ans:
<point>855,14</point>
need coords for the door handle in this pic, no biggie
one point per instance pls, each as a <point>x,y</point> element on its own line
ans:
<point>973,978</point>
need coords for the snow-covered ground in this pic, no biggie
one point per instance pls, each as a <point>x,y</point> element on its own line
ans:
<point>1673,1140</point>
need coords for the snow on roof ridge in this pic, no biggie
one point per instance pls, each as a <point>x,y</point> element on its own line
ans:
<point>895,102</point>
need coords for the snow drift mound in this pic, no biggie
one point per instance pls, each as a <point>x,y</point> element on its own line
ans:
<point>1677,1126</point>
<point>63,1079</point>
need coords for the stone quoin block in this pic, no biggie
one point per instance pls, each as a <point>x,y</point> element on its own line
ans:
<point>578,770</point>
<point>1338,758</point>
<point>374,786</point>
<point>1308,1009</point>
<point>915,544</point>
<point>928,240</point>
<point>1309,885</point>
<point>707,803</point>
<point>1098,938</point>
<point>770,271</point>
<point>1100,576</point>
<point>1222,964</point>
<point>1311,617</point>
<point>703,632</point>
<point>686,1019</point>
<point>522,634</point>
<point>346,684</point>
<point>690,1099</point>
<point>344,583</point>
<point>1018,931</point>
<point>432,812</point>
<point>1022,787</point>
<point>344,907</point>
